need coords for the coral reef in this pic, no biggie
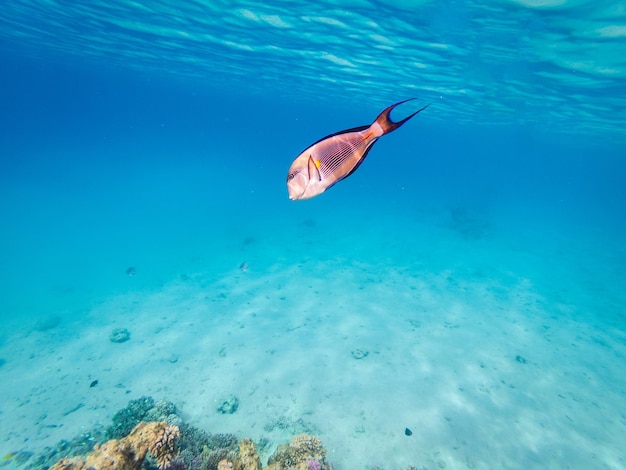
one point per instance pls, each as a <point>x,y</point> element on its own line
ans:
<point>248,458</point>
<point>313,465</point>
<point>157,438</point>
<point>127,418</point>
<point>210,459</point>
<point>200,450</point>
<point>304,452</point>
<point>142,409</point>
<point>164,411</point>
<point>150,435</point>
<point>164,447</point>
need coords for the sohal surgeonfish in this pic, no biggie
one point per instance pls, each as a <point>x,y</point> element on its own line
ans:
<point>337,156</point>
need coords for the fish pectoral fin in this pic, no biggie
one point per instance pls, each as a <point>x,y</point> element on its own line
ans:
<point>314,172</point>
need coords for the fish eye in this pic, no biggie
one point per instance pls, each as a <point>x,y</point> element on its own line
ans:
<point>290,176</point>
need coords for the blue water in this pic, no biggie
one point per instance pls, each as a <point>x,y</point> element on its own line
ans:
<point>159,135</point>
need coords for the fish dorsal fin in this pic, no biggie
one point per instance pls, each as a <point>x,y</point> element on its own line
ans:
<point>314,172</point>
<point>354,129</point>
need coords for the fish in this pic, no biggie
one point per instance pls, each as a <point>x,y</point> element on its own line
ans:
<point>338,155</point>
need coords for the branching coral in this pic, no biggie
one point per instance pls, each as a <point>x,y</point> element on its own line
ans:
<point>128,453</point>
<point>164,447</point>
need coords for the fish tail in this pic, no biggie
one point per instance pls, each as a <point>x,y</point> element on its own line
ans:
<point>385,122</point>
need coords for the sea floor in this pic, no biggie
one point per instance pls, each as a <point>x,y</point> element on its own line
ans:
<point>496,350</point>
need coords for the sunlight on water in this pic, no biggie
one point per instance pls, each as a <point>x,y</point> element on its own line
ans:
<point>534,62</point>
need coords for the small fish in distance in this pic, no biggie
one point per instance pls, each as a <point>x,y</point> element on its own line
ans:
<point>337,156</point>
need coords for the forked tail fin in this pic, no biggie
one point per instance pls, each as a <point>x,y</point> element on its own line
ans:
<point>385,122</point>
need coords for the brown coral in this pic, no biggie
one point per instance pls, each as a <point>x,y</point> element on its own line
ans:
<point>300,450</point>
<point>248,457</point>
<point>128,453</point>
<point>164,447</point>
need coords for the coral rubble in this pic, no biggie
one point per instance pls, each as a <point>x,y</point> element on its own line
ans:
<point>228,405</point>
<point>119,335</point>
<point>156,438</point>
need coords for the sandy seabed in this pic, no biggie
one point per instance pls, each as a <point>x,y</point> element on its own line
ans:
<point>484,367</point>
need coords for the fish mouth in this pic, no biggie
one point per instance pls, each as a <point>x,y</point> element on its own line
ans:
<point>297,186</point>
<point>296,191</point>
